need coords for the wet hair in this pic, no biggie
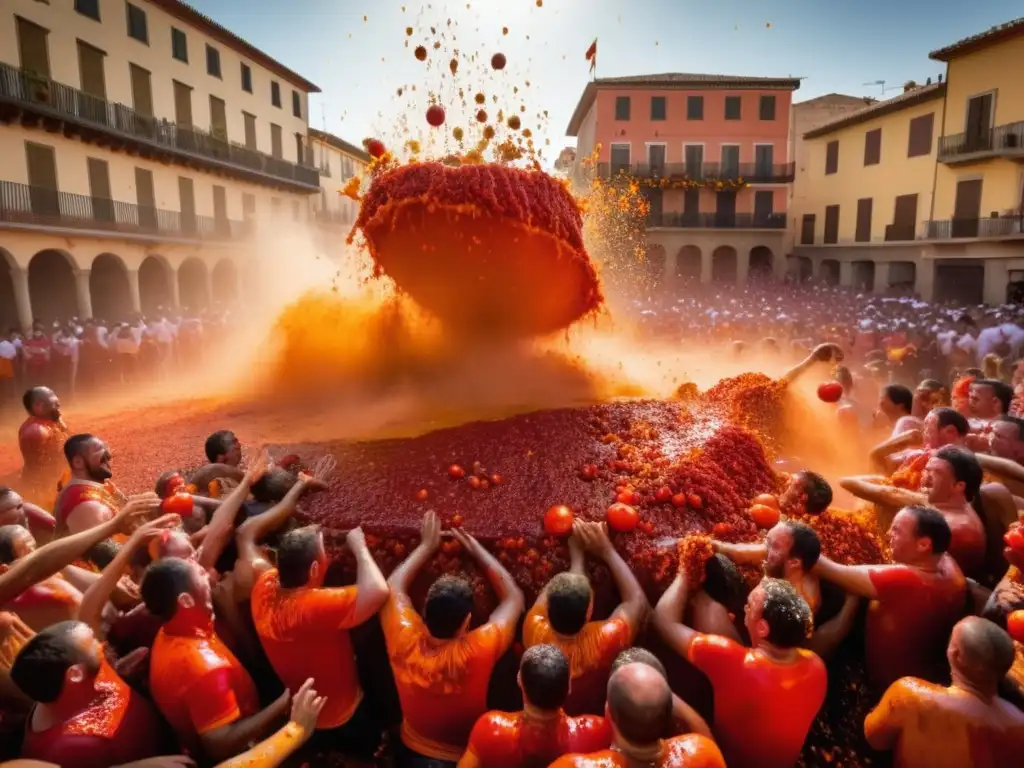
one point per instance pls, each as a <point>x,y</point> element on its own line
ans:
<point>569,596</point>
<point>1002,391</point>
<point>932,385</point>
<point>950,417</point>
<point>986,647</point>
<point>787,614</point>
<point>818,491</point>
<point>101,555</point>
<point>32,396</point>
<point>724,583</point>
<point>965,466</point>
<point>930,524</point>
<point>1019,423</point>
<point>806,545</point>
<point>40,667</point>
<point>75,444</point>
<point>162,584</point>
<point>8,537</point>
<point>449,602</point>
<point>4,490</point>
<point>544,672</point>
<point>638,655</point>
<point>640,714</point>
<point>218,444</point>
<point>900,395</point>
<point>164,479</point>
<point>296,552</point>
<point>273,485</point>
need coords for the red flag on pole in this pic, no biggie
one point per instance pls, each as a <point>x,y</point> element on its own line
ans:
<point>592,55</point>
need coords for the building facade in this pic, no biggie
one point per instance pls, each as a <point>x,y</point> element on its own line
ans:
<point>337,161</point>
<point>140,141</point>
<point>939,207</point>
<point>712,154</point>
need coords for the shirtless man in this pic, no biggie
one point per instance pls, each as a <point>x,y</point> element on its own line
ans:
<point>807,493</point>
<point>1006,455</point>
<point>941,427</point>
<point>88,498</point>
<point>966,724</point>
<point>40,438</point>
<point>14,510</point>
<point>895,405</point>
<point>988,400</point>
<point>45,603</point>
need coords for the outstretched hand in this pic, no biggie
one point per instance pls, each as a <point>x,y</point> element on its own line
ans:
<point>430,531</point>
<point>306,707</point>
<point>136,511</point>
<point>828,352</point>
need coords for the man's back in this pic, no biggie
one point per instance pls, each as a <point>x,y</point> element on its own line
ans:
<point>515,740</point>
<point>689,751</point>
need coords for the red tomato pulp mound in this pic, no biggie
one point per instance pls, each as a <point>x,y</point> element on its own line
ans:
<point>491,250</point>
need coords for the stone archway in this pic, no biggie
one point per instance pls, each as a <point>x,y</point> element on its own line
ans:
<point>762,263</point>
<point>863,276</point>
<point>225,282</point>
<point>51,286</point>
<point>688,263</point>
<point>108,287</point>
<point>656,258</point>
<point>8,303</point>
<point>804,269</point>
<point>192,284</point>
<point>830,271</point>
<point>155,277</point>
<point>724,265</point>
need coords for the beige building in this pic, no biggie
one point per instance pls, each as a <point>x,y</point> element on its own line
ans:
<point>139,139</point>
<point>924,192</point>
<point>337,162</point>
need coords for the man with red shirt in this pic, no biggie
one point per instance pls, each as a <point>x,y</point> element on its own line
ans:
<point>916,600</point>
<point>199,686</point>
<point>85,715</point>
<point>766,697</point>
<point>561,617</point>
<point>640,709</point>
<point>542,732</point>
<point>41,441</point>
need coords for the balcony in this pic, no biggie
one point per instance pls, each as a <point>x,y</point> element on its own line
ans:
<point>955,229</point>
<point>27,96</point>
<point>752,173</point>
<point>717,221</point>
<point>1006,141</point>
<point>36,207</point>
<point>899,233</point>
<point>333,218</point>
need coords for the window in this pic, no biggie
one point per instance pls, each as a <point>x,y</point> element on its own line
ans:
<point>246,78</point>
<point>179,45</point>
<point>863,233</point>
<point>767,111</point>
<point>296,104</point>
<point>300,149</point>
<point>90,8</point>
<point>831,224</point>
<point>920,141</point>
<point>657,107</point>
<point>212,61</point>
<point>694,107</point>
<point>732,107</point>
<point>622,107</point>
<point>137,28</point>
<point>873,147</point>
<point>248,205</point>
<point>807,229</point>
<point>275,93</point>
<point>832,157</point>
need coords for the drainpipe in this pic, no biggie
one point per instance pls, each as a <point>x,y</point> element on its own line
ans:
<point>942,132</point>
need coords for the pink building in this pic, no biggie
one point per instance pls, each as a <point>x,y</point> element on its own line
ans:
<point>713,154</point>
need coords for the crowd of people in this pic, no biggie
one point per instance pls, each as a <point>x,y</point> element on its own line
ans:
<point>170,628</point>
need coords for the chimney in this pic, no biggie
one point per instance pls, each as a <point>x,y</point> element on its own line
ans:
<point>928,81</point>
<point>909,86</point>
<point>940,77</point>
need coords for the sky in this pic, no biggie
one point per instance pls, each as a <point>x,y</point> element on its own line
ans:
<point>360,55</point>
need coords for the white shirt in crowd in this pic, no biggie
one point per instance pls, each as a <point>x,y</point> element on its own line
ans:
<point>7,350</point>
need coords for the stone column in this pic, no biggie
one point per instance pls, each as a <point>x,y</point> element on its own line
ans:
<point>997,275</point>
<point>924,275</point>
<point>668,275</point>
<point>172,283</point>
<point>882,277</point>
<point>133,290</point>
<point>22,297</point>
<point>84,297</point>
<point>706,270</point>
<point>846,274</point>
<point>209,287</point>
<point>742,266</point>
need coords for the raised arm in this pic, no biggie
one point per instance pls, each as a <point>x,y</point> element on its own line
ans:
<point>633,608</point>
<point>1004,469</point>
<point>510,597</point>
<point>371,587</point>
<point>222,524</point>
<point>823,353</point>
<point>577,565</point>
<point>828,636</point>
<point>868,489</point>
<point>668,616</point>
<point>882,726</point>
<point>271,752</point>
<point>880,454</point>
<point>430,540</point>
<point>207,473</point>
<point>229,740</point>
<point>853,579</point>
<point>742,554</point>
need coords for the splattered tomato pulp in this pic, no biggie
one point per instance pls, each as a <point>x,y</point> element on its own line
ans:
<point>491,250</point>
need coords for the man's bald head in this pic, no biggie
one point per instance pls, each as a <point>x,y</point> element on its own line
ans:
<point>639,703</point>
<point>980,650</point>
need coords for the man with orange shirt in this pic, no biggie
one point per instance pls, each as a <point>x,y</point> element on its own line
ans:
<point>966,724</point>
<point>88,498</point>
<point>563,609</point>
<point>41,439</point>
<point>197,683</point>
<point>85,715</point>
<point>766,697</point>
<point>640,710</point>
<point>916,600</point>
<point>301,623</point>
<point>542,732</point>
<point>442,669</point>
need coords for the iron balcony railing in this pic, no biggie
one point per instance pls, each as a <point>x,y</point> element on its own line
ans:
<point>47,97</point>
<point>38,206</point>
<point>1004,138</point>
<point>753,173</point>
<point>718,220</point>
<point>951,229</point>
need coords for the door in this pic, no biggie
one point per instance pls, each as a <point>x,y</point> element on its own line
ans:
<point>967,209</point>
<point>99,190</point>
<point>694,160</point>
<point>33,49</point>
<point>620,158</point>
<point>42,179</point>
<point>145,195</point>
<point>276,150</point>
<point>220,209</point>
<point>187,195</point>
<point>218,119</point>
<point>725,209</point>
<point>764,205</point>
<point>764,160</point>
<point>300,149</point>
<point>979,122</point>
<point>250,130</point>
<point>183,115</point>
<point>655,206</point>
<point>691,207</point>
<point>904,218</point>
<point>92,100</point>
<point>142,100</point>
<point>656,159</point>
<point>730,165</point>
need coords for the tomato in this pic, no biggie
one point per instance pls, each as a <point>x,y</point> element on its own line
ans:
<point>679,500</point>
<point>626,497</point>
<point>721,529</point>
<point>498,61</point>
<point>455,472</point>
<point>1014,539</point>
<point>374,147</point>
<point>422,494</point>
<point>180,504</point>
<point>456,521</point>
<point>663,494</point>
<point>694,500</point>
<point>475,483</point>
<point>622,517</point>
<point>830,391</point>
<point>589,472</point>
<point>558,521</point>
<point>1015,625</point>
<point>763,516</point>
<point>497,479</point>
<point>767,500</point>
